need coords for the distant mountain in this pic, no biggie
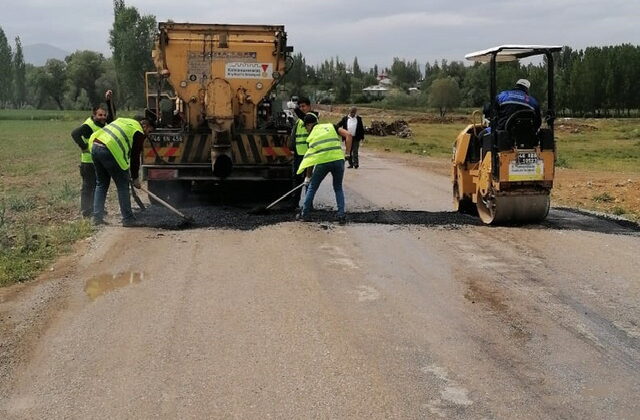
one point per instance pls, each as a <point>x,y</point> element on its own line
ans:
<point>38,54</point>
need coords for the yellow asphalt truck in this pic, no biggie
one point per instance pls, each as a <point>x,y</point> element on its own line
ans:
<point>213,98</point>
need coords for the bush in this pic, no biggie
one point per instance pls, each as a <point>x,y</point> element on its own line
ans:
<point>618,211</point>
<point>361,99</point>
<point>605,197</point>
<point>444,94</point>
<point>402,100</point>
<point>19,203</point>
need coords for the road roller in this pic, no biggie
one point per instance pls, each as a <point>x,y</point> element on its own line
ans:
<point>504,173</point>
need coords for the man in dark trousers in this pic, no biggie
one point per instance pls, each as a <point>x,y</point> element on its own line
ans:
<point>324,155</point>
<point>115,150</point>
<point>353,124</point>
<point>99,117</point>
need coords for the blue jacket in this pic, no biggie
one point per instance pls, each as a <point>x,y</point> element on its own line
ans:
<point>510,101</point>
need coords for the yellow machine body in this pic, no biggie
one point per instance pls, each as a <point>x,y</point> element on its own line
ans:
<point>220,71</point>
<point>213,97</point>
<point>503,167</point>
<point>512,188</point>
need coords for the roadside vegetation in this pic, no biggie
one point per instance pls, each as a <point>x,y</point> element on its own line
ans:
<point>39,192</point>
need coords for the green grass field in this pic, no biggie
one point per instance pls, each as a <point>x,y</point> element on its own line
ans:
<point>39,191</point>
<point>41,115</point>
<point>599,145</point>
<point>427,140</point>
<point>606,145</point>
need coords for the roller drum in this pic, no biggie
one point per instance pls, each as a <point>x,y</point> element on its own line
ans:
<point>507,209</point>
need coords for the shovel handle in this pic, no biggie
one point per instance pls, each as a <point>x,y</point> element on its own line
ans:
<point>165,204</point>
<point>284,196</point>
<point>135,197</point>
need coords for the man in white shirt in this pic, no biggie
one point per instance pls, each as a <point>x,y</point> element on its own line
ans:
<point>353,124</point>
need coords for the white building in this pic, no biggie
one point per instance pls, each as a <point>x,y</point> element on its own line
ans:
<point>377,91</point>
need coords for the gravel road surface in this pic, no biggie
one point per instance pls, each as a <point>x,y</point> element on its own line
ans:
<point>408,311</point>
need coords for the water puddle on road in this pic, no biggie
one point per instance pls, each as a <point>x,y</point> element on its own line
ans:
<point>104,283</point>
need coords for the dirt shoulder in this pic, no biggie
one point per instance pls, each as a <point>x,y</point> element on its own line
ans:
<point>27,309</point>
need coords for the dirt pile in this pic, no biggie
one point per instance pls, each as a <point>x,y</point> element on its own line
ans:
<point>432,119</point>
<point>568,126</point>
<point>399,128</point>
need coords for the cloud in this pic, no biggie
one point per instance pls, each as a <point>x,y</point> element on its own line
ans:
<point>373,30</point>
<point>407,21</point>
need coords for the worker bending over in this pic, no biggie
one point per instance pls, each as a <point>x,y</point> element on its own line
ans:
<point>115,149</point>
<point>99,117</point>
<point>324,155</point>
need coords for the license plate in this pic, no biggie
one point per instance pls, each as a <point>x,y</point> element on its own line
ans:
<point>527,158</point>
<point>166,137</point>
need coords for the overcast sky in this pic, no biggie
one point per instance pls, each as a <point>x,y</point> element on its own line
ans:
<point>373,30</point>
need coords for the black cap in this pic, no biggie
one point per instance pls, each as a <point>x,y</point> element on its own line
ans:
<point>310,118</point>
<point>148,116</point>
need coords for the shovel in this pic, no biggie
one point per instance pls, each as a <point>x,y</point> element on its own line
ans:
<point>136,198</point>
<point>265,209</point>
<point>168,206</point>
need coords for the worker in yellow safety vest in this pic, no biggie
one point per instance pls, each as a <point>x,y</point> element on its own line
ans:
<point>301,107</point>
<point>115,150</point>
<point>324,155</point>
<point>99,117</point>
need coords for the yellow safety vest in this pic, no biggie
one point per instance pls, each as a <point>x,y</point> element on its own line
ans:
<point>325,145</point>
<point>85,157</point>
<point>301,138</point>
<point>118,137</point>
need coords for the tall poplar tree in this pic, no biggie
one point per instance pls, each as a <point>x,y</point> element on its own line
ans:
<point>131,40</point>
<point>19,76</point>
<point>6,75</point>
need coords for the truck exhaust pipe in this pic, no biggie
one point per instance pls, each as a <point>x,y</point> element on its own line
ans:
<point>222,166</point>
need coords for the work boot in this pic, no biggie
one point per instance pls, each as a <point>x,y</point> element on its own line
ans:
<point>130,222</point>
<point>303,217</point>
<point>342,219</point>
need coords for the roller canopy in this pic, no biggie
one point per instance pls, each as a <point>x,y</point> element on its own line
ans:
<point>510,52</point>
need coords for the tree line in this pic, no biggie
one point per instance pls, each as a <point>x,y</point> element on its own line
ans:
<point>80,80</point>
<point>596,81</point>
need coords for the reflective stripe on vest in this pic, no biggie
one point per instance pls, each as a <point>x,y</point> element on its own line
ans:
<point>85,157</point>
<point>301,138</point>
<point>118,137</point>
<point>325,145</point>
